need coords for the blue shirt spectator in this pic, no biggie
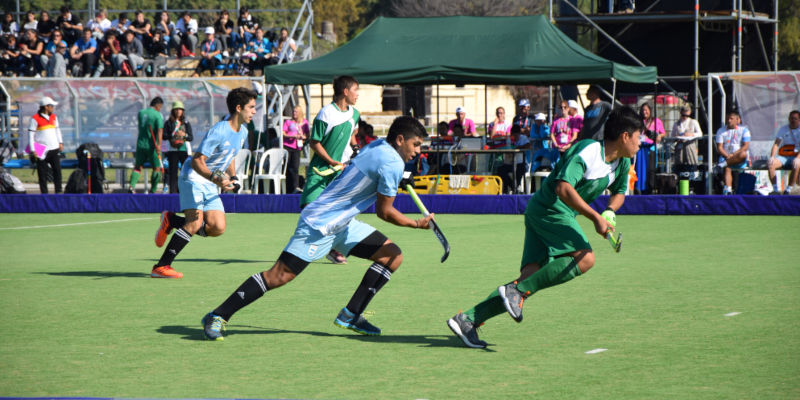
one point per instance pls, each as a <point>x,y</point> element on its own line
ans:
<point>84,45</point>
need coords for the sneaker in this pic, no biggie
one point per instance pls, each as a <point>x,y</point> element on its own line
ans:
<point>726,191</point>
<point>336,257</point>
<point>466,331</point>
<point>164,228</point>
<point>191,55</point>
<point>131,190</point>
<point>513,299</point>
<point>212,325</point>
<point>165,272</point>
<point>348,320</point>
<point>787,192</point>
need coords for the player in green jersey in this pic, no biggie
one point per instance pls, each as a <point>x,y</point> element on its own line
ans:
<point>556,249</point>
<point>331,133</point>
<point>148,145</point>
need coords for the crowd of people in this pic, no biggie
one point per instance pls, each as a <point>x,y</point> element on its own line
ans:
<point>101,47</point>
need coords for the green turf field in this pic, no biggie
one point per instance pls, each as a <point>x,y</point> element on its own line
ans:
<point>81,317</point>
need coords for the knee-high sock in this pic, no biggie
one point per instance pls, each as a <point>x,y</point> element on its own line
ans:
<point>554,273</point>
<point>377,275</point>
<point>251,290</point>
<point>179,240</point>
<point>176,220</point>
<point>491,307</point>
<point>154,180</point>
<point>134,179</point>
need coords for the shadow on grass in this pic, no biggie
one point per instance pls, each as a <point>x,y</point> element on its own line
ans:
<point>212,260</point>
<point>192,333</point>
<point>97,274</point>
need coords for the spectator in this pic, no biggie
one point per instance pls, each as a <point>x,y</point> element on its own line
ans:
<point>148,143</point>
<point>99,25</point>
<point>295,130</point>
<point>30,21</point>
<point>224,28</point>
<point>733,142</point>
<point>292,45</point>
<point>686,127</point>
<point>523,119</point>
<point>247,25</point>
<point>260,51</point>
<point>11,56</point>
<point>515,161</point>
<point>82,54</point>
<point>499,127</point>
<point>541,148</point>
<point>577,120</point>
<point>594,116</point>
<point>177,131</point>
<point>131,50</point>
<point>43,129</point>
<point>185,33</point>
<point>622,6</point>
<point>70,25</point>
<point>646,156</point>
<point>366,133</point>
<point>46,26</point>
<point>121,24</point>
<point>9,27</point>
<point>57,66</point>
<point>105,66</point>
<point>462,120</point>
<point>141,27</point>
<point>784,153</point>
<point>563,133</point>
<point>50,50</point>
<point>158,51</point>
<point>210,51</point>
<point>31,49</point>
<point>166,26</point>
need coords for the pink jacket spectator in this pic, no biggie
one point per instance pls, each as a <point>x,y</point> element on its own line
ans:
<point>659,129</point>
<point>469,126</point>
<point>291,128</point>
<point>563,130</point>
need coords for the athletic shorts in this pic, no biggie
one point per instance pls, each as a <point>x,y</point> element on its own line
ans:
<point>195,196</point>
<point>550,236</point>
<point>743,165</point>
<point>315,185</point>
<point>785,161</point>
<point>310,244</point>
<point>144,155</point>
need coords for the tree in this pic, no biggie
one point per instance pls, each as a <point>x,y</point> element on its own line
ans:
<point>474,8</point>
<point>789,35</point>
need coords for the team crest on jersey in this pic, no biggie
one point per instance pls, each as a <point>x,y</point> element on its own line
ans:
<point>595,183</point>
<point>312,250</point>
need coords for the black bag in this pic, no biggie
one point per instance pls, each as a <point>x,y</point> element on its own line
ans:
<point>10,184</point>
<point>76,184</point>
<point>6,151</point>
<point>98,169</point>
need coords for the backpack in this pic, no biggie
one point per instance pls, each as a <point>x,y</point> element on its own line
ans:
<point>98,169</point>
<point>6,150</point>
<point>10,184</point>
<point>184,52</point>
<point>76,183</point>
<point>125,69</point>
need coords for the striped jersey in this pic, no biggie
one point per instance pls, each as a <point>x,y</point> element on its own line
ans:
<point>220,145</point>
<point>43,129</point>
<point>333,128</point>
<point>378,168</point>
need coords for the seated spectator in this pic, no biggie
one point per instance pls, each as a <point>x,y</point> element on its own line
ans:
<point>106,50</point>
<point>733,143</point>
<point>57,66</point>
<point>131,50</point>
<point>70,25</point>
<point>246,25</point>
<point>523,119</point>
<point>577,120</point>
<point>162,22</point>
<point>46,26</point>
<point>594,116</point>
<point>8,28</point>
<point>185,34</point>
<point>442,129</point>
<point>31,49</point>
<point>785,153</point>
<point>289,42</point>
<point>467,124</point>
<point>499,127</point>
<point>515,161</point>
<point>82,54</point>
<point>30,21</point>
<point>210,51</point>
<point>646,156</point>
<point>158,51</point>
<point>563,133</point>
<point>539,130</point>
<point>260,51</point>
<point>50,49</point>
<point>223,26</point>
<point>686,127</point>
<point>622,6</point>
<point>366,134</point>
<point>10,58</point>
<point>99,25</point>
<point>141,27</point>
<point>121,24</point>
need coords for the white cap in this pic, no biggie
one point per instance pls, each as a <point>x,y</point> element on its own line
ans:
<point>524,102</point>
<point>209,31</point>
<point>573,104</point>
<point>460,110</point>
<point>46,101</point>
<point>258,88</point>
<point>540,117</point>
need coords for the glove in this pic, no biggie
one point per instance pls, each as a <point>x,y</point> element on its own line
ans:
<point>236,186</point>
<point>407,180</point>
<point>609,215</point>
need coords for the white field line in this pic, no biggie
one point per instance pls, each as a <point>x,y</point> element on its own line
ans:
<point>732,314</point>
<point>79,223</point>
<point>595,351</point>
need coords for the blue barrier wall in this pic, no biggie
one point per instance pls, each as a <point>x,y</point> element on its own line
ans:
<point>442,204</point>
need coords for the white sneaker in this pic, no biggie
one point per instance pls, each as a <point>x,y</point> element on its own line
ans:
<point>225,54</point>
<point>38,76</point>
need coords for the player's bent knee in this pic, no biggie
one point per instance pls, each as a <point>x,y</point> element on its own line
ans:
<point>585,261</point>
<point>193,226</point>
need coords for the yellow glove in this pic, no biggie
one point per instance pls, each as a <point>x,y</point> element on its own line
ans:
<point>609,215</point>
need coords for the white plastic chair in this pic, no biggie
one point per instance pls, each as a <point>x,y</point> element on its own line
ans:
<point>241,162</point>
<point>538,175</point>
<point>278,161</point>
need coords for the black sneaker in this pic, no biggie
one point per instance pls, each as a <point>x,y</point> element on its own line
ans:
<point>131,191</point>
<point>513,299</point>
<point>466,331</point>
<point>348,320</point>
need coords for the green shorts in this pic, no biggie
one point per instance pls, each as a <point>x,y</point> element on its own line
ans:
<point>144,155</point>
<point>549,236</point>
<point>315,185</point>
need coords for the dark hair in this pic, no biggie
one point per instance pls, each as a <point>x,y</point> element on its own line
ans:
<point>131,33</point>
<point>515,129</point>
<point>182,118</point>
<point>87,30</point>
<point>224,12</point>
<point>407,127</point>
<point>794,112</point>
<point>158,32</point>
<point>137,12</point>
<point>239,97</point>
<point>64,9</point>
<point>620,120</point>
<point>156,101</point>
<point>442,128</point>
<point>185,13</point>
<point>42,109</point>
<point>122,15</point>
<point>340,83</point>
<point>641,113</point>
<point>30,12</point>
<point>595,90</point>
<point>59,32</point>
<point>734,112</point>
<point>243,10</point>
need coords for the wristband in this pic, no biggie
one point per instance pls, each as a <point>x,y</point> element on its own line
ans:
<point>234,178</point>
<point>416,222</point>
<point>609,209</point>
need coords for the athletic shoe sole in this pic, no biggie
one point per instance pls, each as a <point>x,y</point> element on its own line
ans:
<point>453,325</point>
<point>354,329</point>
<point>506,304</point>
<point>333,260</point>
<point>155,275</point>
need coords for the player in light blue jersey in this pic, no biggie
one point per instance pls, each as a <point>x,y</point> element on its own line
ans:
<point>329,222</point>
<point>733,145</point>
<point>212,166</point>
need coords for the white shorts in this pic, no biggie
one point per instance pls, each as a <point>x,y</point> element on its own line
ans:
<point>310,244</point>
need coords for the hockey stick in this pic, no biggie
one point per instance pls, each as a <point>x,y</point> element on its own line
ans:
<point>328,171</point>
<point>434,226</point>
<point>616,244</point>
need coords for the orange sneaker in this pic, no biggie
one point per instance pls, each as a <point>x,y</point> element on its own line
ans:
<point>164,229</point>
<point>165,272</point>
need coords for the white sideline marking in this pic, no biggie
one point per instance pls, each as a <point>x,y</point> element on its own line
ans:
<point>595,351</point>
<point>732,314</point>
<point>79,223</point>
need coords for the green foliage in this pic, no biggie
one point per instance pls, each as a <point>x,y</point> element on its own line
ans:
<point>789,35</point>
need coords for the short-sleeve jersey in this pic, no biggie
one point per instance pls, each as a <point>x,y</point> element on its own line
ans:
<point>378,168</point>
<point>220,146</point>
<point>584,167</point>
<point>732,139</point>
<point>788,136</point>
<point>149,119</point>
<point>333,128</point>
<point>523,121</point>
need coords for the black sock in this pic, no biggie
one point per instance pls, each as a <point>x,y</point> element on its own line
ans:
<point>180,239</point>
<point>202,230</point>
<point>251,290</point>
<point>377,275</point>
<point>177,221</point>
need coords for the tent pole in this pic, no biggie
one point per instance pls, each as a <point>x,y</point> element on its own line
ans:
<point>613,93</point>
<point>550,106</point>
<point>321,96</point>
<point>486,110</point>
<point>437,101</point>
<point>655,119</point>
